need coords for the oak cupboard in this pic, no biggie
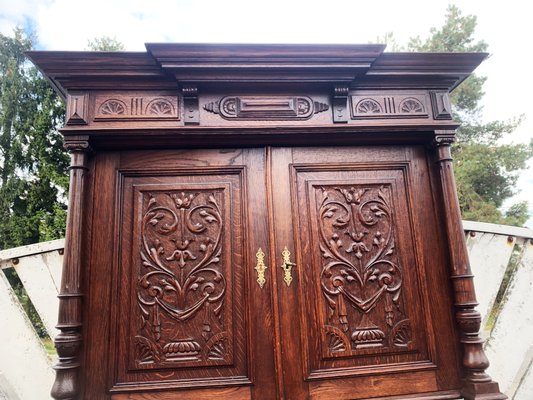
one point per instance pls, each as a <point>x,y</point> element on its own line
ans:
<point>264,222</point>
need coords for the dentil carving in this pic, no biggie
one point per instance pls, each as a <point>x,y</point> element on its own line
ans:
<point>181,288</point>
<point>361,278</point>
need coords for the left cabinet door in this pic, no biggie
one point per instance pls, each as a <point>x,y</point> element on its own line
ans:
<point>187,315</point>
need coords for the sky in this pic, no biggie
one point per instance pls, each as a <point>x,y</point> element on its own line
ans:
<point>505,26</point>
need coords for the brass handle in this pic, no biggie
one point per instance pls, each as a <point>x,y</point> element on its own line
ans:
<point>260,267</point>
<point>287,266</point>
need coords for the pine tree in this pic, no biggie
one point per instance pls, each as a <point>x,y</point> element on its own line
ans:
<point>33,163</point>
<point>486,170</point>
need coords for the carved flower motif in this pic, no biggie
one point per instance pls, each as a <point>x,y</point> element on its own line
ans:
<point>357,248</point>
<point>353,195</point>
<point>182,200</point>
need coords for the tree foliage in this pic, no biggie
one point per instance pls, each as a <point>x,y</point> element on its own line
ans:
<point>486,169</point>
<point>33,164</point>
<point>105,43</point>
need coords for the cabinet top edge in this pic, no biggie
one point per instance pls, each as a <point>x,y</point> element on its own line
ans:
<point>174,64</point>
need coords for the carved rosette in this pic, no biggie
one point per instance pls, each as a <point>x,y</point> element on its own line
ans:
<point>361,278</point>
<point>182,285</point>
<point>266,107</point>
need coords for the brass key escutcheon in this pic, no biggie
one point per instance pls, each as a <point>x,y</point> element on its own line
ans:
<point>260,267</point>
<point>287,266</point>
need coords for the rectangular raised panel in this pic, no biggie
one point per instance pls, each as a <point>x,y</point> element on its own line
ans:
<point>440,102</point>
<point>266,107</point>
<point>374,105</point>
<point>136,107</point>
<point>77,109</point>
<point>181,309</point>
<point>359,259</point>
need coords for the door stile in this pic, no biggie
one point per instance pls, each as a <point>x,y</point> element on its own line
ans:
<point>262,308</point>
<point>287,294</point>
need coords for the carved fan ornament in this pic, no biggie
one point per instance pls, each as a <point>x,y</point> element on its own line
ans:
<point>411,106</point>
<point>368,106</point>
<point>113,107</point>
<point>160,107</point>
<point>361,278</point>
<point>181,287</point>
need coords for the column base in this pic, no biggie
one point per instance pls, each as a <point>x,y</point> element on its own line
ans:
<point>482,391</point>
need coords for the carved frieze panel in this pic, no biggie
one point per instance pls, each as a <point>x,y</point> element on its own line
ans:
<point>143,107</point>
<point>361,276</point>
<point>394,106</point>
<point>266,107</point>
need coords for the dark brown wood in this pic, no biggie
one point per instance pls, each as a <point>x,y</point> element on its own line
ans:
<point>478,385</point>
<point>264,222</point>
<point>68,342</point>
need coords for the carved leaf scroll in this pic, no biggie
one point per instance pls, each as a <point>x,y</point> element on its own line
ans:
<point>361,278</point>
<point>181,288</point>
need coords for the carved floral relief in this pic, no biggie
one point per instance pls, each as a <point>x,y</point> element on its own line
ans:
<point>361,278</point>
<point>182,286</point>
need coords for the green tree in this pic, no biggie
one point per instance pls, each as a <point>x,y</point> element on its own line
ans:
<point>486,170</point>
<point>105,43</point>
<point>33,163</point>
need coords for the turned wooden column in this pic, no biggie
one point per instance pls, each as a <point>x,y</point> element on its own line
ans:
<point>68,341</point>
<point>478,384</point>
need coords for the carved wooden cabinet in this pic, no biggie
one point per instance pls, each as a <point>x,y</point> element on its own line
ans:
<point>264,222</point>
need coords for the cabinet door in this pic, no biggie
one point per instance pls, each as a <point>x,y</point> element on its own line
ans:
<point>367,312</point>
<point>188,317</point>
